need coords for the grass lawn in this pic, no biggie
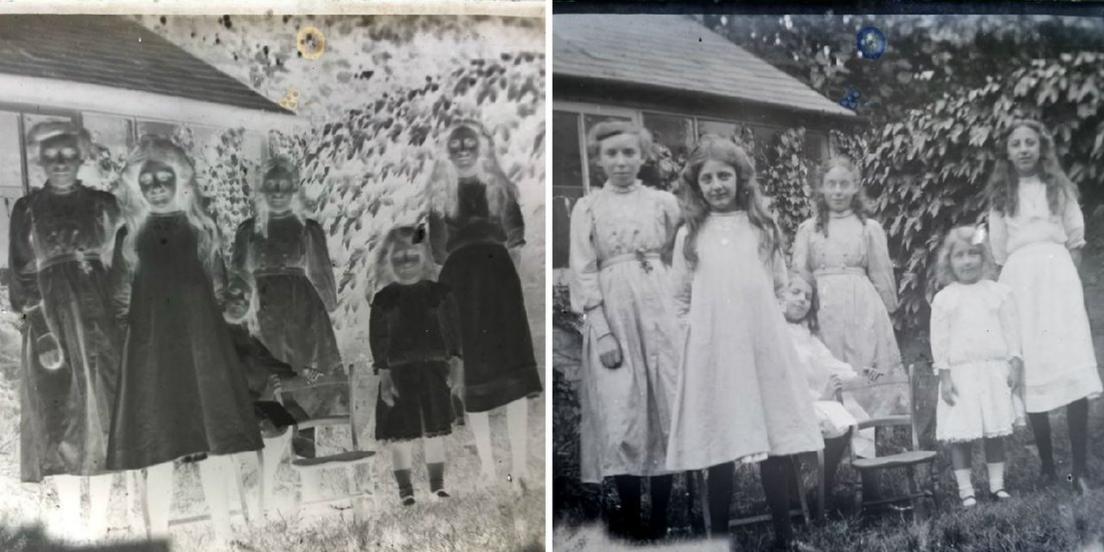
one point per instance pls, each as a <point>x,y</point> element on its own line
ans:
<point>478,517</point>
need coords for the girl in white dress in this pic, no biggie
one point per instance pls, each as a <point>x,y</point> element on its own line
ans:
<point>741,393</point>
<point>975,342</point>
<point>620,235</point>
<point>1037,231</point>
<point>824,377</point>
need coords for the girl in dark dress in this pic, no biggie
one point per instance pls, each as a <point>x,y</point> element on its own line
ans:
<point>477,231</point>
<point>416,351</point>
<point>283,259</point>
<point>61,236</point>
<point>182,390</point>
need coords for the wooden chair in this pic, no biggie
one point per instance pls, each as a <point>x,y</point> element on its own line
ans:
<point>908,461</point>
<point>310,469</point>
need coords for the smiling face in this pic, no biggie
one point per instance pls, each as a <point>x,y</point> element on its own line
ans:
<point>966,262</point>
<point>796,300</point>
<point>463,149</point>
<point>1024,150</point>
<point>719,184</point>
<point>60,157</point>
<point>278,189</point>
<point>158,183</point>
<point>407,261</point>
<point>620,158</point>
<point>839,189</point>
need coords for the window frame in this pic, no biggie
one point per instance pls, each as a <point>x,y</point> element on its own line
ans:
<point>580,110</point>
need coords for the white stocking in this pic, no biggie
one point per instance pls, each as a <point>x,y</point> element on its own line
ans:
<point>214,474</point>
<point>517,422</point>
<point>480,423</point>
<point>158,499</point>
<point>69,500</point>
<point>99,500</point>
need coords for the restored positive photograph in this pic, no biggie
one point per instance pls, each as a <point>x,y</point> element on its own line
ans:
<point>827,282</point>
<point>272,283</point>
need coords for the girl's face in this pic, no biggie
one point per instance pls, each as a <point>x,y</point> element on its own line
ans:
<point>60,157</point>
<point>796,300</point>
<point>620,157</point>
<point>278,189</point>
<point>407,261</point>
<point>463,149</point>
<point>839,189</point>
<point>966,262</point>
<point>158,183</point>
<point>718,183</point>
<point>1023,150</point>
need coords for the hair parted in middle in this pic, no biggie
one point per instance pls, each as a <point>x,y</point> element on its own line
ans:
<point>858,202</point>
<point>1004,184</point>
<point>276,165</point>
<point>969,236</point>
<point>748,195</point>
<point>444,179</point>
<point>164,150</point>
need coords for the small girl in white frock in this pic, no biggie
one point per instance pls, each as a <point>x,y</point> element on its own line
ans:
<point>975,341</point>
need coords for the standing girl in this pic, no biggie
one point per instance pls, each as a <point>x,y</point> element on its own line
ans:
<point>61,236</point>
<point>620,236</point>
<point>741,392</point>
<point>283,258</point>
<point>477,232</point>
<point>415,341</point>
<point>845,253</point>
<point>1037,231</point>
<point>182,390</point>
<point>975,340</point>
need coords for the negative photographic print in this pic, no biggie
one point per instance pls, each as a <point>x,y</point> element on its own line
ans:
<point>272,282</point>
<point>827,281</point>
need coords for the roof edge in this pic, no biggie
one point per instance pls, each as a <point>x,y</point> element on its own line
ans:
<point>81,96</point>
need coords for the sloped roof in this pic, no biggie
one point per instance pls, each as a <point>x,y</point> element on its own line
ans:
<point>674,52</point>
<point>117,52</point>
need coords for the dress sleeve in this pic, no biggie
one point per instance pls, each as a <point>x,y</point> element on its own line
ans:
<point>998,236</point>
<point>682,277</point>
<point>586,290</point>
<point>1073,221</point>
<point>23,289</point>
<point>827,362</point>
<point>319,268</point>
<point>378,332</point>
<point>218,279</point>
<point>512,220</point>
<point>801,262</point>
<point>878,266</point>
<point>672,219</point>
<point>239,257</point>
<point>940,332</point>
<point>120,278</point>
<point>438,236</point>
<point>448,316</point>
<point>779,273</point>
<point>1010,324</point>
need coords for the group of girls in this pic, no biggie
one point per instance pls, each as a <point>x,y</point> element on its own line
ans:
<point>141,349</point>
<point>703,351</point>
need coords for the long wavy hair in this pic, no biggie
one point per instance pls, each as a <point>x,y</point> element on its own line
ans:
<point>445,179</point>
<point>811,320</point>
<point>1004,183</point>
<point>970,236</point>
<point>163,150</point>
<point>417,235</point>
<point>858,202</point>
<point>260,204</point>
<point>748,195</point>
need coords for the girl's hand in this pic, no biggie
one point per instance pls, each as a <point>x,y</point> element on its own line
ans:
<point>872,374</point>
<point>49,352</point>
<point>947,389</point>
<point>1015,375</point>
<point>272,388</point>
<point>388,393</point>
<point>311,376</point>
<point>609,351</point>
<point>832,388</point>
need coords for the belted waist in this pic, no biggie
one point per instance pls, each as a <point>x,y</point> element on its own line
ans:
<point>839,270</point>
<point>642,257</point>
<point>279,271</point>
<point>75,257</point>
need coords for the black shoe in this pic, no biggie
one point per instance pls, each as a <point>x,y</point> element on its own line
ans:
<point>440,494</point>
<point>408,500</point>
